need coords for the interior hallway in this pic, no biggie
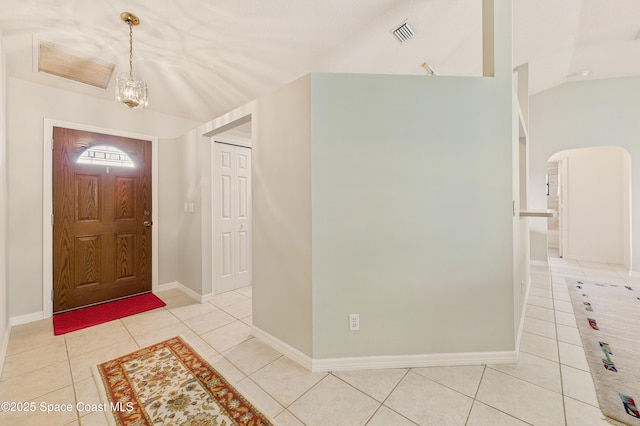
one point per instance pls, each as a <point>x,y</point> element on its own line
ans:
<point>550,385</point>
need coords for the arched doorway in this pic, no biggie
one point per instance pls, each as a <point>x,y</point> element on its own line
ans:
<point>591,190</point>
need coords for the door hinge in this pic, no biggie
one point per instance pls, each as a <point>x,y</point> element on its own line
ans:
<point>51,144</point>
<point>52,295</point>
<point>51,219</point>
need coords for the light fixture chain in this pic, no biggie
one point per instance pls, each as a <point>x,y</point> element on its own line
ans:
<point>130,50</point>
<point>129,91</point>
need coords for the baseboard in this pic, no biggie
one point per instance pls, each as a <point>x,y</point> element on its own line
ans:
<point>380,362</point>
<point>414,361</point>
<point>24,319</point>
<point>595,259</point>
<point>538,263</point>
<point>206,297</point>
<point>5,345</point>
<point>525,300</point>
<point>168,286</point>
<point>284,348</point>
<point>202,298</point>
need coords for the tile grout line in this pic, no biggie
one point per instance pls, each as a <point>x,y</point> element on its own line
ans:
<point>382,404</point>
<point>555,324</point>
<point>475,395</point>
<point>73,381</point>
<point>248,376</point>
<point>303,394</point>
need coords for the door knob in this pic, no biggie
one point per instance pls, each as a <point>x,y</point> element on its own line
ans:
<point>147,223</point>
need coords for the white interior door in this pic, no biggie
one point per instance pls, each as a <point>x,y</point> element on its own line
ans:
<point>232,217</point>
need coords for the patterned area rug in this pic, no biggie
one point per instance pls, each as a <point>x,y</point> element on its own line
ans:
<point>608,319</point>
<point>170,384</point>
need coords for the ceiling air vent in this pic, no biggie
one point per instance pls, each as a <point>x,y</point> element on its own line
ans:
<point>403,32</point>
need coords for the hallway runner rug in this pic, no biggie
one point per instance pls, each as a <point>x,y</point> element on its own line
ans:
<point>608,318</point>
<point>105,312</point>
<point>169,383</point>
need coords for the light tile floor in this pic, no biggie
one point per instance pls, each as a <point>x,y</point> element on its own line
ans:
<point>550,384</point>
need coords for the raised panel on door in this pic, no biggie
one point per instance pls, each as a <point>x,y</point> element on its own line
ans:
<point>124,198</point>
<point>224,212</point>
<point>125,256</point>
<point>87,198</point>
<point>88,260</point>
<point>226,255</point>
<point>243,217</point>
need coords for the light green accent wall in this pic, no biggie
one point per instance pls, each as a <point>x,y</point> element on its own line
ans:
<point>390,197</point>
<point>412,219</point>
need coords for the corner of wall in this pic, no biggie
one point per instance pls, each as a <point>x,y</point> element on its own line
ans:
<point>4,344</point>
<point>4,291</point>
<point>281,188</point>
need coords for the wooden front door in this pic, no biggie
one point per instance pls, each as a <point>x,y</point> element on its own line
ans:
<point>101,218</point>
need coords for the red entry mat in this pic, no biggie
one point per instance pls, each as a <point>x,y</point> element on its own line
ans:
<point>94,315</point>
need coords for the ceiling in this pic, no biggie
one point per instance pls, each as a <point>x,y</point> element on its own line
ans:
<point>202,59</point>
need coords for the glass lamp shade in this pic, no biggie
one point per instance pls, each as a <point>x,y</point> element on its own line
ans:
<point>131,92</point>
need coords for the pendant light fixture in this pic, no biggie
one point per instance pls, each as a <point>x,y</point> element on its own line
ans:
<point>129,91</point>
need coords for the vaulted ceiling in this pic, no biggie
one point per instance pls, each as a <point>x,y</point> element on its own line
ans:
<point>204,58</point>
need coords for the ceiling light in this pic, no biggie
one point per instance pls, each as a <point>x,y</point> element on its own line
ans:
<point>129,91</point>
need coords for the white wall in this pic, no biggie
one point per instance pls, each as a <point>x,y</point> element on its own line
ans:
<point>4,210</point>
<point>281,191</point>
<point>171,209</point>
<point>579,115</point>
<point>194,228</point>
<point>594,204</point>
<point>30,104</point>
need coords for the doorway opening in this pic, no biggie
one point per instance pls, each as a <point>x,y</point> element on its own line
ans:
<point>590,188</point>
<point>231,207</point>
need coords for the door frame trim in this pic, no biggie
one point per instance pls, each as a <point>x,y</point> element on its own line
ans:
<point>47,203</point>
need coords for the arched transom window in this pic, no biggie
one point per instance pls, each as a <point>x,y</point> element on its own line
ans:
<point>105,155</point>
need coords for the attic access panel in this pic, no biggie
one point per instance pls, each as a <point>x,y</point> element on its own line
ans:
<point>61,62</point>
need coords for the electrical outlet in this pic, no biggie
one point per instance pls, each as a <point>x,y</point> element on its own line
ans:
<point>354,322</point>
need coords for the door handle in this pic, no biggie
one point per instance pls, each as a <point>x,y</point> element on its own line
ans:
<point>147,223</point>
